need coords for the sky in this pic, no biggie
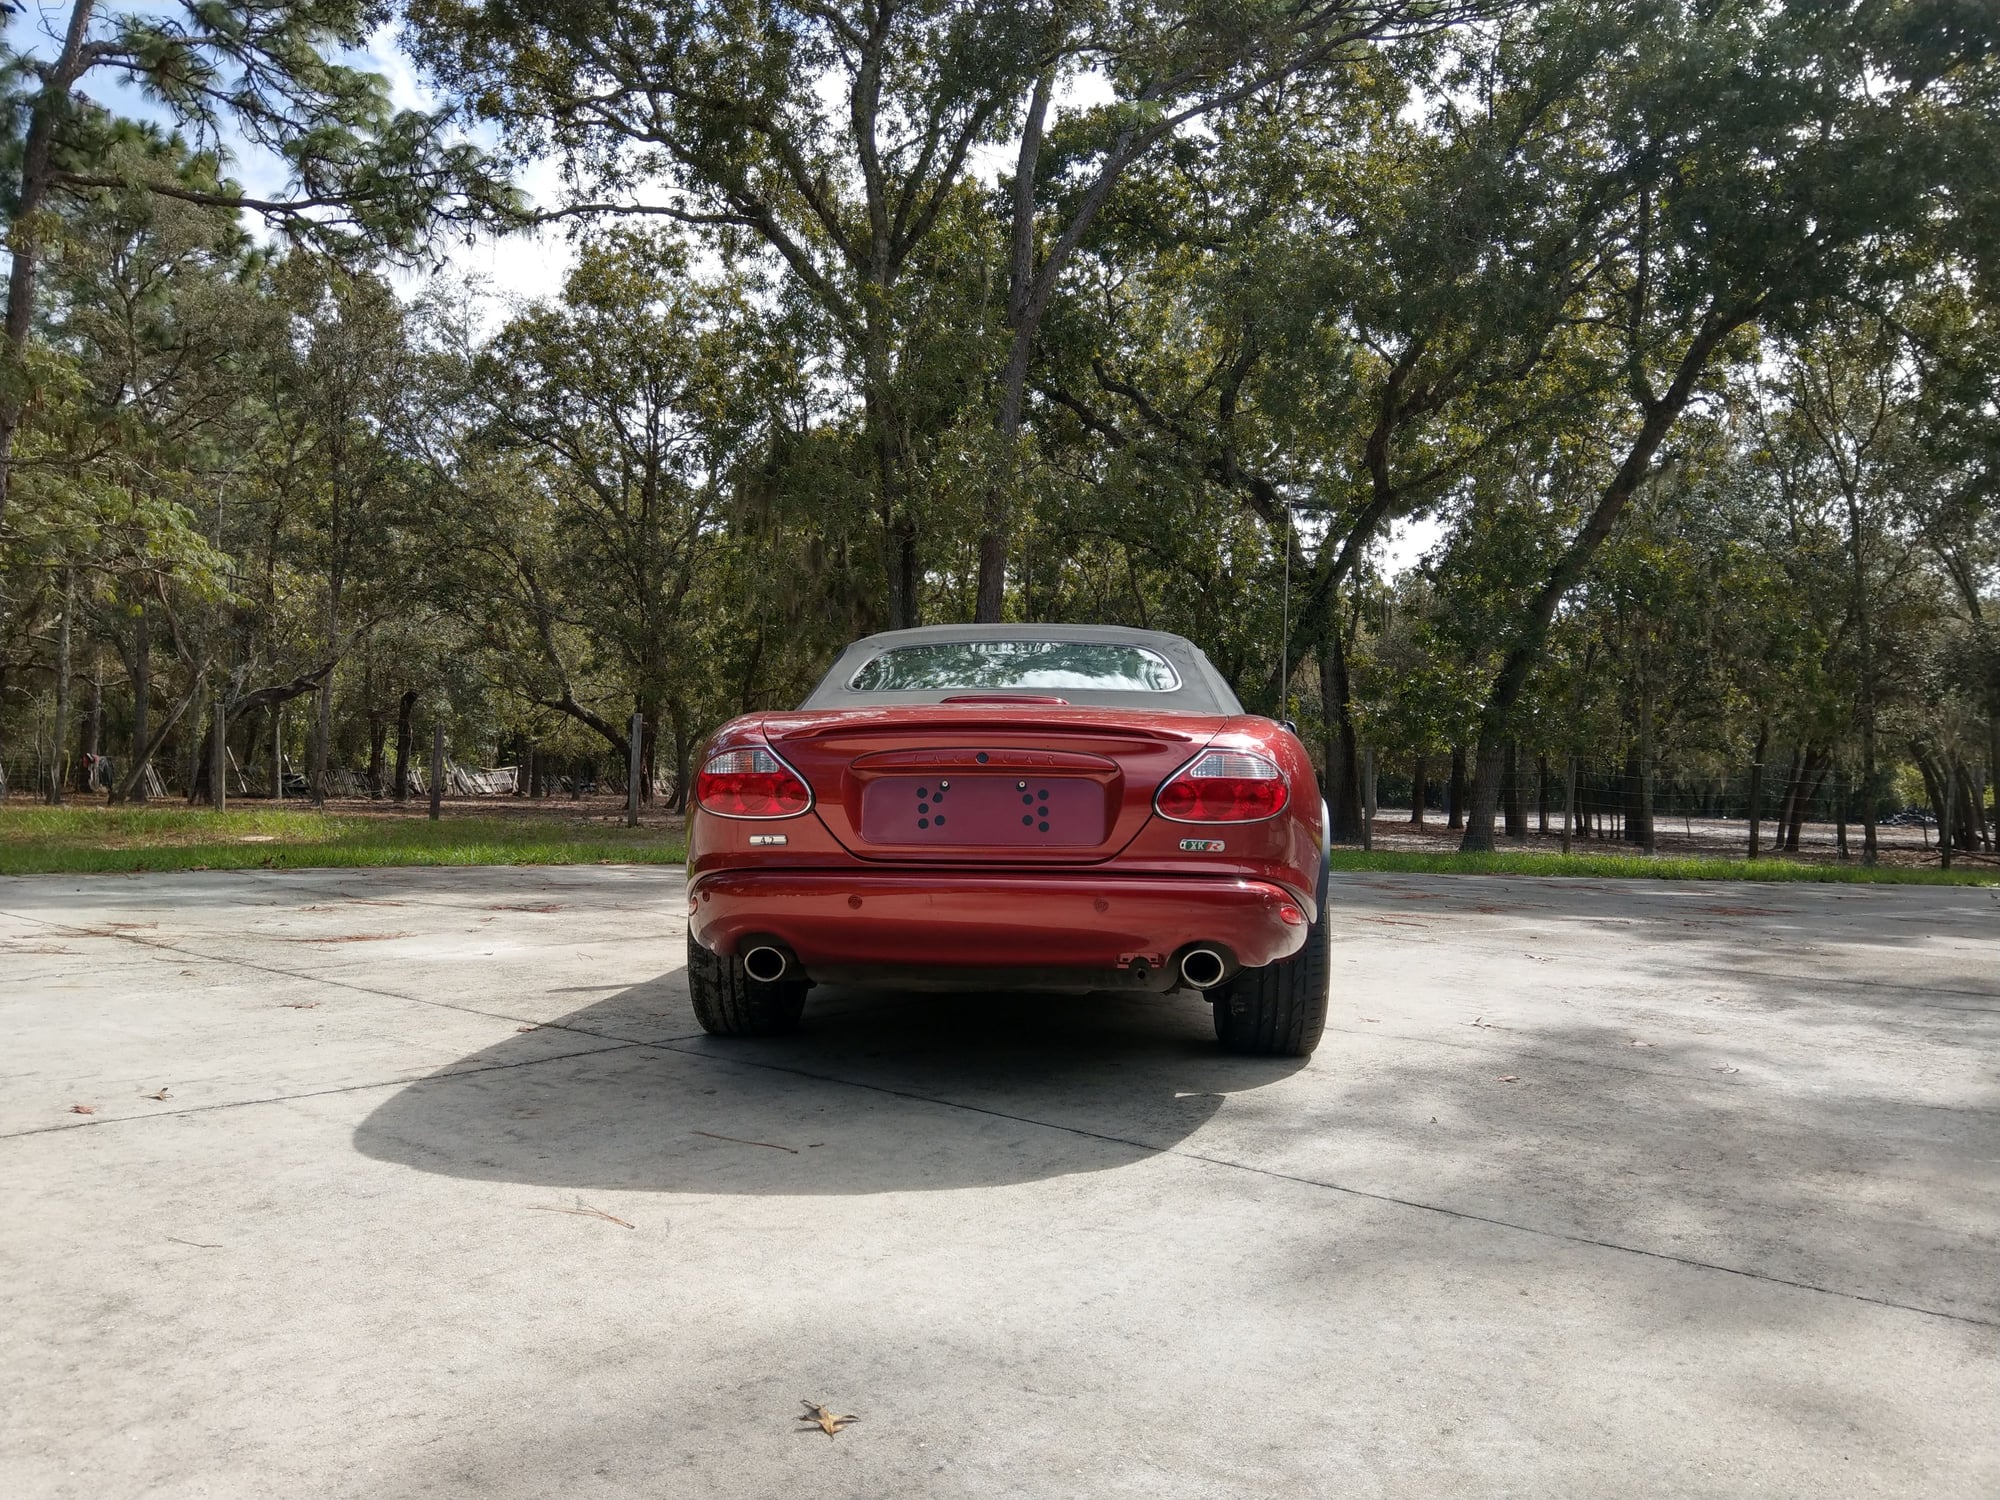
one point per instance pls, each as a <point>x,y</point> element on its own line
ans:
<point>511,268</point>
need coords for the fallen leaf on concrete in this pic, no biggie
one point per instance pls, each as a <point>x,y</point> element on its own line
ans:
<point>1485,1025</point>
<point>1392,921</point>
<point>741,1142</point>
<point>1725,1068</point>
<point>1635,1042</point>
<point>162,1094</point>
<point>1539,958</point>
<point>198,1244</point>
<point>83,1109</point>
<point>582,1210</point>
<point>300,1004</point>
<point>825,1420</point>
<point>527,1028</point>
<point>1372,1020</point>
<point>1509,1078</point>
<point>544,906</point>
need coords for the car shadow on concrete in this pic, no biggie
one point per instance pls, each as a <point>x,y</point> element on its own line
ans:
<point>880,1092</point>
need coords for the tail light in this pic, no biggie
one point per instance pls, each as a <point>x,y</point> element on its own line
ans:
<point>1223,786</point>
<point>751,783</point>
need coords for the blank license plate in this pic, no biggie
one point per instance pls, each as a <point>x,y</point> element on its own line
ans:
<point>990,811</point>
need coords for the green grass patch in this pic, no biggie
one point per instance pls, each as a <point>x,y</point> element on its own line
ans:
<point>1636,866</point>
<point>82,840</point>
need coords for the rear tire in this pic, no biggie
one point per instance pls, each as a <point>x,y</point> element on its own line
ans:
<point>728,1002</point>
<point>1280,1009</point>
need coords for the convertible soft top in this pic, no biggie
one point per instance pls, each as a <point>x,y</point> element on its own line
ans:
<point>872,673</point>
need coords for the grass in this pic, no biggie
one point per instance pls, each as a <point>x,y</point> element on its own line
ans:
<point>79,840</point>
<point>1634,866</point>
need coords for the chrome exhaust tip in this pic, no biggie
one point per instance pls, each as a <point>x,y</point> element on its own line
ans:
<point>1203,968</point>
<point>766,964</point>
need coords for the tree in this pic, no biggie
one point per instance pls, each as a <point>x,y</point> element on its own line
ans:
<point>1753,174</point>
<point>361,172</point>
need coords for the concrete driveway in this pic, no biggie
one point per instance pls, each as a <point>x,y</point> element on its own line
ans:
<point>423,1182</point>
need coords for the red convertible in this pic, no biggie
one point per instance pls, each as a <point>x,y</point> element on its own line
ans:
<point>1069,808</point>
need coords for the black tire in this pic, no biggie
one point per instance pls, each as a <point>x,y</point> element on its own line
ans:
<point>1280,1009</point>
<point>728,1002</point>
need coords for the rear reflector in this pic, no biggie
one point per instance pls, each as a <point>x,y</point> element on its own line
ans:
<point>751,784</point>
<point>1223,786</point>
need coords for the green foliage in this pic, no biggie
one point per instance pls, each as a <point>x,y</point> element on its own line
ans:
<point>79,841</point>
<point>1676,321</point>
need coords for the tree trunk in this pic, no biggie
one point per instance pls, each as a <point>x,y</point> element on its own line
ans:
<point>649,748</point>
<point>1525,651</point>
<point>1993,775</point>
<point>1510,793</point>
<point>218,759</point>
<point>1417,792</point>
<point>1757,783</point>
<point>1840,811</point>
<point>135,778</point>
<point>142,693</point>
<point>378,738</point>
<point>1946,825</point>
<point>59,768</point>
<point>1343,760</point>
<point>683,750</point>
<point>1795,770</point>
<point>1569,804</point>
<point>36,166</point>
<point>1968,819</point>
<point>1455,798</point>
<point>322,738</point>
<point>1542,792</point>
<point>93,725</point>
<point>1868,790</point>
<point>1812,778</point>
<point>405,707</point>
<point>1368,797</point>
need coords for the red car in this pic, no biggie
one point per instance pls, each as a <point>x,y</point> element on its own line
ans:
<point>1070,808</point>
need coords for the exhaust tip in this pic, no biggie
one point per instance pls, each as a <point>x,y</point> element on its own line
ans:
<point>1203,968</point>
<point>766,964</point>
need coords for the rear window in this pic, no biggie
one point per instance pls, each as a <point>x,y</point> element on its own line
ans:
<point>973,666</point>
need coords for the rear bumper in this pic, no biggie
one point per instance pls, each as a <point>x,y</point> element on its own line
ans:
<point>951,920</point>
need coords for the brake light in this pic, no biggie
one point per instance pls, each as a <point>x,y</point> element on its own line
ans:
<point>1223,786</point>
<point>751,784</point>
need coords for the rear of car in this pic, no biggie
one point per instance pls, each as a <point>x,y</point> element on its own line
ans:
<point>1069,808</point>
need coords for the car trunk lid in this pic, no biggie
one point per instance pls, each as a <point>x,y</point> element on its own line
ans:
<point>980,782</point>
